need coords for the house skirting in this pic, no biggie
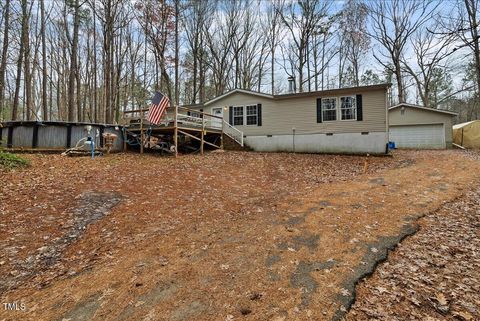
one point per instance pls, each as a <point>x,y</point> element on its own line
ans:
<point>348,143</point>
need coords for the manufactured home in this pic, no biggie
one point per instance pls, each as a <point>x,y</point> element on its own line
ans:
<point>347,120</point>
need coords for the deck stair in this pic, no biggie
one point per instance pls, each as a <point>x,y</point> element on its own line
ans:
<point>233,132</point>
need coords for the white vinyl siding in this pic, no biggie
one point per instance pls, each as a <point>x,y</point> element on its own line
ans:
<point>279,116</point>
<point>416,116</point>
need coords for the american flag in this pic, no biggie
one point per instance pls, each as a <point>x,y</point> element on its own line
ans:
<point>159,104</point>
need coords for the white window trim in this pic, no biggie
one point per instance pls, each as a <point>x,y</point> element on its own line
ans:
<point>213,113</point>
<point>340,108</point>
<point>256,114</point>
<point>336,110</point>
<point>243,115</point>
<point>213,120</point>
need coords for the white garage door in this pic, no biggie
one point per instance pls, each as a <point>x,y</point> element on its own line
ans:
<point>418,136</point>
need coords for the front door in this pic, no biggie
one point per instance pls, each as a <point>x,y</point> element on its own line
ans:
<point>217,122</point>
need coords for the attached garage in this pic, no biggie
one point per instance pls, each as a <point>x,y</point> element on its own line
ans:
<point>412,126</point>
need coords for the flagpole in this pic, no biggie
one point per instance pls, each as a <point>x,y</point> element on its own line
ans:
<point>175,131</point>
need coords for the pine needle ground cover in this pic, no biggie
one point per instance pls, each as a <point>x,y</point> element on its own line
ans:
<point>225,236</point>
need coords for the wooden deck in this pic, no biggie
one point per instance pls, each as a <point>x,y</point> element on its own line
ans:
<point>179,126</point>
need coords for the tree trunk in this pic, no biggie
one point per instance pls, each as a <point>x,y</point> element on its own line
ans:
<point>73,64</point>
<point>273,70</point>
<point>20,59</point>
<point>3,62</point>
<point>201,74</point>
<point>95,87</point>
<point>44,63</point>
<point>307,54</point>
<point>398,76</point>
<point>28,78</point>
<point>78,99</point>
<point>107,47</point>
<point>472,15</point>
<point>195,70</point>
<point>300,70</point>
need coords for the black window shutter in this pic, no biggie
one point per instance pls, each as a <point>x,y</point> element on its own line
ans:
<point>230,115</point>
<point>201,113</point>
<point>319,110</point>
<point>188,113</point>
<point>259,114</point>
<point>359,108</point>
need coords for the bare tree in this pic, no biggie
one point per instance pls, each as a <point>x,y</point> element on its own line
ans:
<point>302,19</point>
<point>274,36</point>
<point>21,53</point>
<point>73,39</point>
<point>353,23</point>
<point>157,19</point>
<point>3,61</point>
<point>430,55</point>
<point>194,24</point>
<point>219,39</point>
<point>464,26</point>
<point>393,23</point>
<point>44,62</point>
<point>472,26</point>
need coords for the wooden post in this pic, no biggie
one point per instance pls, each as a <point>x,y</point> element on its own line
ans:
<point>175,130</point>
<point>202,136</point>
<point>141,131</point>
<point>124,134</point>
<point>221,135</point>
<point>365,166</point>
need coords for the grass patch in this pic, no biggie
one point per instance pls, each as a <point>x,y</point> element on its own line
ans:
<point>10,161</point>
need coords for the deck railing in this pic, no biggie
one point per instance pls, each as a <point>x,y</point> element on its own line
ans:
<point>184,115</point>
<point>191,120</point>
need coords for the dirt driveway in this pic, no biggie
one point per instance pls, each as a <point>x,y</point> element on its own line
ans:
<point>226,236</point>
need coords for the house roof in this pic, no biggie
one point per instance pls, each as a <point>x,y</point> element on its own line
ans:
<point>413,106</point>
<point>244,91</point>
<point>303,94</point>
<point>334,91</point>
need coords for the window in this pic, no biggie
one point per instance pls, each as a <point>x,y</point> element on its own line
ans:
<point>252,115</point>
<point>348,108</point>
<point>329,109</point>
<point>195,114</point>
<point>237,115</point>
